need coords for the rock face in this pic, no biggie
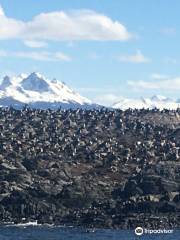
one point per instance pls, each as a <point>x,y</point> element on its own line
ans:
<point>35,83</point>
<point>94,168</point>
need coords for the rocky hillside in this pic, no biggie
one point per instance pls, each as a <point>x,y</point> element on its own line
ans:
<point>94,168</point>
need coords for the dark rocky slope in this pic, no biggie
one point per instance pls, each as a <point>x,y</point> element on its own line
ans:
<point>94,168</point>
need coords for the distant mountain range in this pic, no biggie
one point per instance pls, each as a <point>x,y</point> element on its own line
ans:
<point>37,91</point>
<point>156,101</point>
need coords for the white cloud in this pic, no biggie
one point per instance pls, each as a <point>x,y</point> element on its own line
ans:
<point>1,11</point>
<point>63,57</point>
<point>164,84</point>
<point>63,26</point>
<point>38,55</point>
<point>106,96</point>
<point>143,84</point>
<point>9,28</point>
<point>170,31</point>
<point>136,58</point>
<point>35,44</point>
<point>107,99</point>
<point>157,76</point>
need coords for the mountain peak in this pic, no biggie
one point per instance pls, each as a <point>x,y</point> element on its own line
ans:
<point>158,98</point>
<point>5,83</point>
<point>35,82</point>
<point>37,91</point>
<point>36,75</point>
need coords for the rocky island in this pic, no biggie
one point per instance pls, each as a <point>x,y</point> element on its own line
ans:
<point>92,168</point>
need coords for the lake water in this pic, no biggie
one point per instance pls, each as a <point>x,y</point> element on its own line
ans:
<point>62,233</point>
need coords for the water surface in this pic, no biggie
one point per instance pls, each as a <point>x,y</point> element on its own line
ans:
<point>63,233</point>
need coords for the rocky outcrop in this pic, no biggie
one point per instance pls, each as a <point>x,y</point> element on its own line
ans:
<point>95,168</point>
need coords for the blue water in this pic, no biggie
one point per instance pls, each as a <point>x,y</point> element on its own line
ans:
<point>60,233</point>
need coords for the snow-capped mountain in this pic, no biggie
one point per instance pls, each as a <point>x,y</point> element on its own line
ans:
<point>37,91</point>
<point>157,101</point>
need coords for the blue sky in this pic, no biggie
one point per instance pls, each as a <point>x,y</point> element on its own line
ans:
<point>104,49</point>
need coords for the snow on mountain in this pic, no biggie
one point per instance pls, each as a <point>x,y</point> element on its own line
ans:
<point>156,101</point>
<point>37,91</point>
<point>130,103</point>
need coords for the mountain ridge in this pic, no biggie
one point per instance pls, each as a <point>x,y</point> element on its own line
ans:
<point>156,101</point>
<point>37,91</point>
